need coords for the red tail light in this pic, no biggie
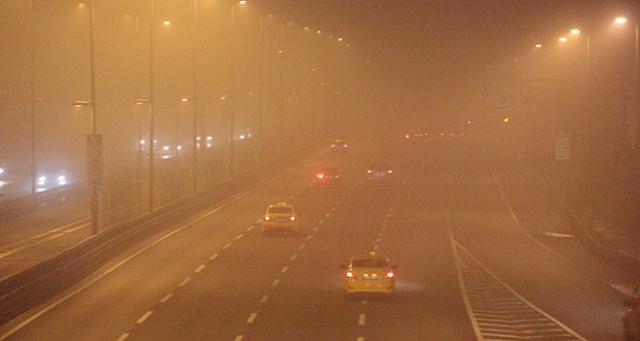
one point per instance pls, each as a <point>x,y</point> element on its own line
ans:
<point>320,176</point>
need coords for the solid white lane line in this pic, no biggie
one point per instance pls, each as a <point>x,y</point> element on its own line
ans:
<point>361,319</point>
<point>200,268</point>
<point>144,317</point>
<point>252,317</point>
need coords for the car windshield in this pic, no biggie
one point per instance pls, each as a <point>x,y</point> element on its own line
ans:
<point>369,263</point>
<point>280,210</point>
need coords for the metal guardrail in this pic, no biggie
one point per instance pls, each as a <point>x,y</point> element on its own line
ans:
<point>12,208</point>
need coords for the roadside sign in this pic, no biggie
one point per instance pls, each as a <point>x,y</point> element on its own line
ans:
<point>94,158</point>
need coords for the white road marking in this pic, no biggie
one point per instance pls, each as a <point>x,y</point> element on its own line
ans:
<point>123,337</point>
<point>360,338</point>
<point>301,246</point>
<point>361,319</point>
<point>293,257</point>
<point>239,236</point>
<point>308,237</point>
<point>200,268</point>
<point>250,228</point>
<point>264,299</point>
<point>284,269</point>
<point>252,317</point>
<point>184,282</point>
<point>275,282</point>
<point>559,235</point>
<point>214,256</point>
<point>238,338</point>
<point>316,228</point>
<point>144,317</point>
<point>166,298</point>
<point>226,246</point>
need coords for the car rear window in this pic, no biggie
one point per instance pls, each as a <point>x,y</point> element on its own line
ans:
<point>369,263</point>
<point>280,210</point>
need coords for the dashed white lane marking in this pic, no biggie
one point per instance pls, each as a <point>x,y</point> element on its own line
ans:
<point>184,282</point>
<point>144,317</point>
<point>309,237</point>
<point>226,246</point>
<point>360,338</point>
<point>239,236</point>
<point>123,337</point>
<point>301,246</point>
<point>375,248</point>
<point>284,269</point>
<point>214,256</point>
<point>250,228</point>
<point>361,319</point>
<point>316,228</point>
<point>200,268</point>
<point>275,282</point>
<point>252,317</point>
<point>264,299</point>
<point>239,338</point>
<point>166,298</point>
<point>293,257</point>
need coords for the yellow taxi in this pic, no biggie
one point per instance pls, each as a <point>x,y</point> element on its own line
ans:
<point>369,273</point>
<point>280,217</point>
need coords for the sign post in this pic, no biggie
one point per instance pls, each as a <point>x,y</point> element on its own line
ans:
<point>94,170</point>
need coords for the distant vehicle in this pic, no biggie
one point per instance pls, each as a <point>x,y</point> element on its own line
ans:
<point>631,320</point>
<point>51,180</point>
<point>328,176</point>
<point>369,273</point>
<point>380,172</point>
<point>280,217</point>
<point>339,147</point>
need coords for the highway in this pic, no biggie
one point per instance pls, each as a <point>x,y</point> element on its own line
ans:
<point>481,255</point>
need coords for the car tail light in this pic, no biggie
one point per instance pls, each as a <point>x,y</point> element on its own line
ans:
<point>350,274</point>
<point>292,218</point>
<point>320,176</point>
<point>389,275</point>
<point>267,218</point>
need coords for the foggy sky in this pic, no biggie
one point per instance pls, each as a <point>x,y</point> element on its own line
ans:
<point>433,53</point>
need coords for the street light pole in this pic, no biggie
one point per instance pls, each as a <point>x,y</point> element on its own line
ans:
<point>95,196</point>
<point>194,166</point>
<point>32,168</point>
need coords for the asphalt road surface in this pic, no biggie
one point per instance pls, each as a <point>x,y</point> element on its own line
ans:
<point>481,256</point>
